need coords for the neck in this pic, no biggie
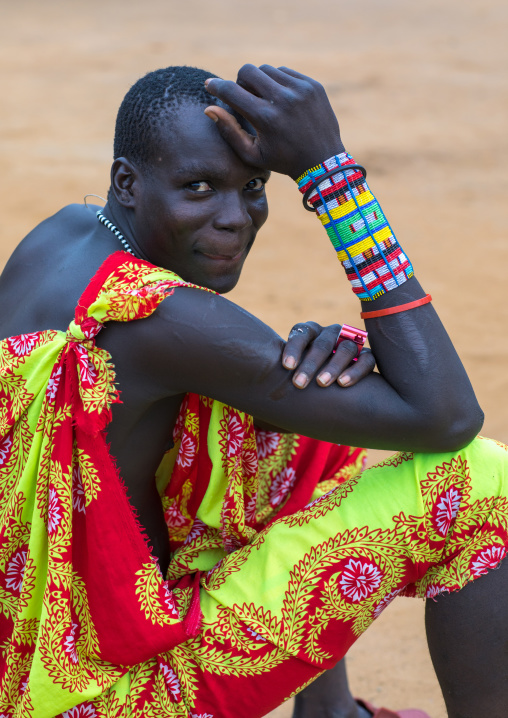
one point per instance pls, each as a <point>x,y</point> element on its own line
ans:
<point>122,220</point>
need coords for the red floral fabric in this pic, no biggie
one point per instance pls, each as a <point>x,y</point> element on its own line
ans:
<point>73,617</point>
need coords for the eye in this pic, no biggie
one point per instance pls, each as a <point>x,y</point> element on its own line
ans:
<point>199,186</point>
<point>256,184</point>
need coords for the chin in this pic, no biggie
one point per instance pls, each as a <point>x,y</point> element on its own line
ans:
<point>221,282</point>
<point>221,285</point>
<point>213,278</point>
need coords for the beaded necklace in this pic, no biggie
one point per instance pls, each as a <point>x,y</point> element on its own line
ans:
<point>105,221</point>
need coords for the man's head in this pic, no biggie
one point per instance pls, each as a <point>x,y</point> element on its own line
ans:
<point>188,202</point>
<point>152,104</point>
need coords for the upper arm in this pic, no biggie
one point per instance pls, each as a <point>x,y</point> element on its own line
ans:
<point>203,343</point>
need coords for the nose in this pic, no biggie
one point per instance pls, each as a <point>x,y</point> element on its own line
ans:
<point>232,212</point>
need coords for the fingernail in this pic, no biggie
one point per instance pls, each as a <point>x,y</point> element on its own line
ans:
<point>211,115</point>
<point>324,378</point>
<point>301,380</point>
<point>290,362</point>
<point>344,379</point>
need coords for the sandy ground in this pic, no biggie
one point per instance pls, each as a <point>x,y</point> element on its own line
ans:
<point>420,90</point>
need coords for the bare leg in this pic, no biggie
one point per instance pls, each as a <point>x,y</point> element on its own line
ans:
<point>329,697</point>
<point>467,633</point>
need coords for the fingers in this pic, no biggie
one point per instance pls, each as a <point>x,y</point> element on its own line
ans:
<point>310,351</point>
<point>330,368</point>
<point>300,336</point>
<point>244,144</point>
<point>267,81</point>
<point>337,368</point>
<point>295,74</point>
<point>260,81</point>
<point>313,348</point>
<point>240,99</point>
<point>279,76</point>
<point>255,84</point>
<point>358,370</point>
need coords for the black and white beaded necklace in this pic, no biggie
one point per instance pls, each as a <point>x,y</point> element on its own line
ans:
<point>105,221</point>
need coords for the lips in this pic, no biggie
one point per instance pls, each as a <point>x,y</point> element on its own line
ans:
<point>223,257</point>
<point>224,254</point>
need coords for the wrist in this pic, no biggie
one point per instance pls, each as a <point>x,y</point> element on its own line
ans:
<point>314,160</point>
<point>356,226</point>
<point>308,176</point>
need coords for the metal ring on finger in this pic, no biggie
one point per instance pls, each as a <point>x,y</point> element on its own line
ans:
<point>358,336</point>
<point>300,329</point>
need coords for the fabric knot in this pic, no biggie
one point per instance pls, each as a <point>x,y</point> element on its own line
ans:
<point>83,332</point>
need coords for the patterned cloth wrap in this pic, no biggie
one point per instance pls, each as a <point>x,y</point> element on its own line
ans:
<point>282,553</point>
<point>357,228</point>
<point>81,598</point>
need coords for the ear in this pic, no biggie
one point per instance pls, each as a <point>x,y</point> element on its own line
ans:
<point>124,177</point>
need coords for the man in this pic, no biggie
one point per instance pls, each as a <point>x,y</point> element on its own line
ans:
<point>88,619</point>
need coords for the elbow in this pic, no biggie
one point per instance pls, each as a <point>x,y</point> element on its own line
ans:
<point>464,429</point>
<point>455,430</point>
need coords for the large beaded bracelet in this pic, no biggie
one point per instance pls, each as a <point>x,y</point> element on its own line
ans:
<point>355,224</point>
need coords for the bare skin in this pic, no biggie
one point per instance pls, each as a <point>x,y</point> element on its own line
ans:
<point>329,697</point>
<point>196,211</point>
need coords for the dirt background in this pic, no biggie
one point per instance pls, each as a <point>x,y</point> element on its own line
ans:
<point>420,91</point>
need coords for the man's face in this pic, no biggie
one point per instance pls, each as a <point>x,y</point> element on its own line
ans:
<point>199,207</point>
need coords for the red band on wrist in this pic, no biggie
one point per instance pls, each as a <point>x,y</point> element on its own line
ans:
<point>395,310</point>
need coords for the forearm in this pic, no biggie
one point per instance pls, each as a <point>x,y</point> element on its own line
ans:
<point>413,351</point>
<point>244,370</point>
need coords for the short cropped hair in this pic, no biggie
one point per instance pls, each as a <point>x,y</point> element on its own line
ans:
<point>150,103</point>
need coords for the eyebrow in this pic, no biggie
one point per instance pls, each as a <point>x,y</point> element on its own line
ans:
<point>198,169</point>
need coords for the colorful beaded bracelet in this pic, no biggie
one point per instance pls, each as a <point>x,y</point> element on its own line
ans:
<point>355,224</point>
<point>320,179</point>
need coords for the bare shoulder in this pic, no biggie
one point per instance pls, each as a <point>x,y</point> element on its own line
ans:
<point>79,213</point>
<point>72,218</point>
<point>70,222</point>
<point>45,275</point>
